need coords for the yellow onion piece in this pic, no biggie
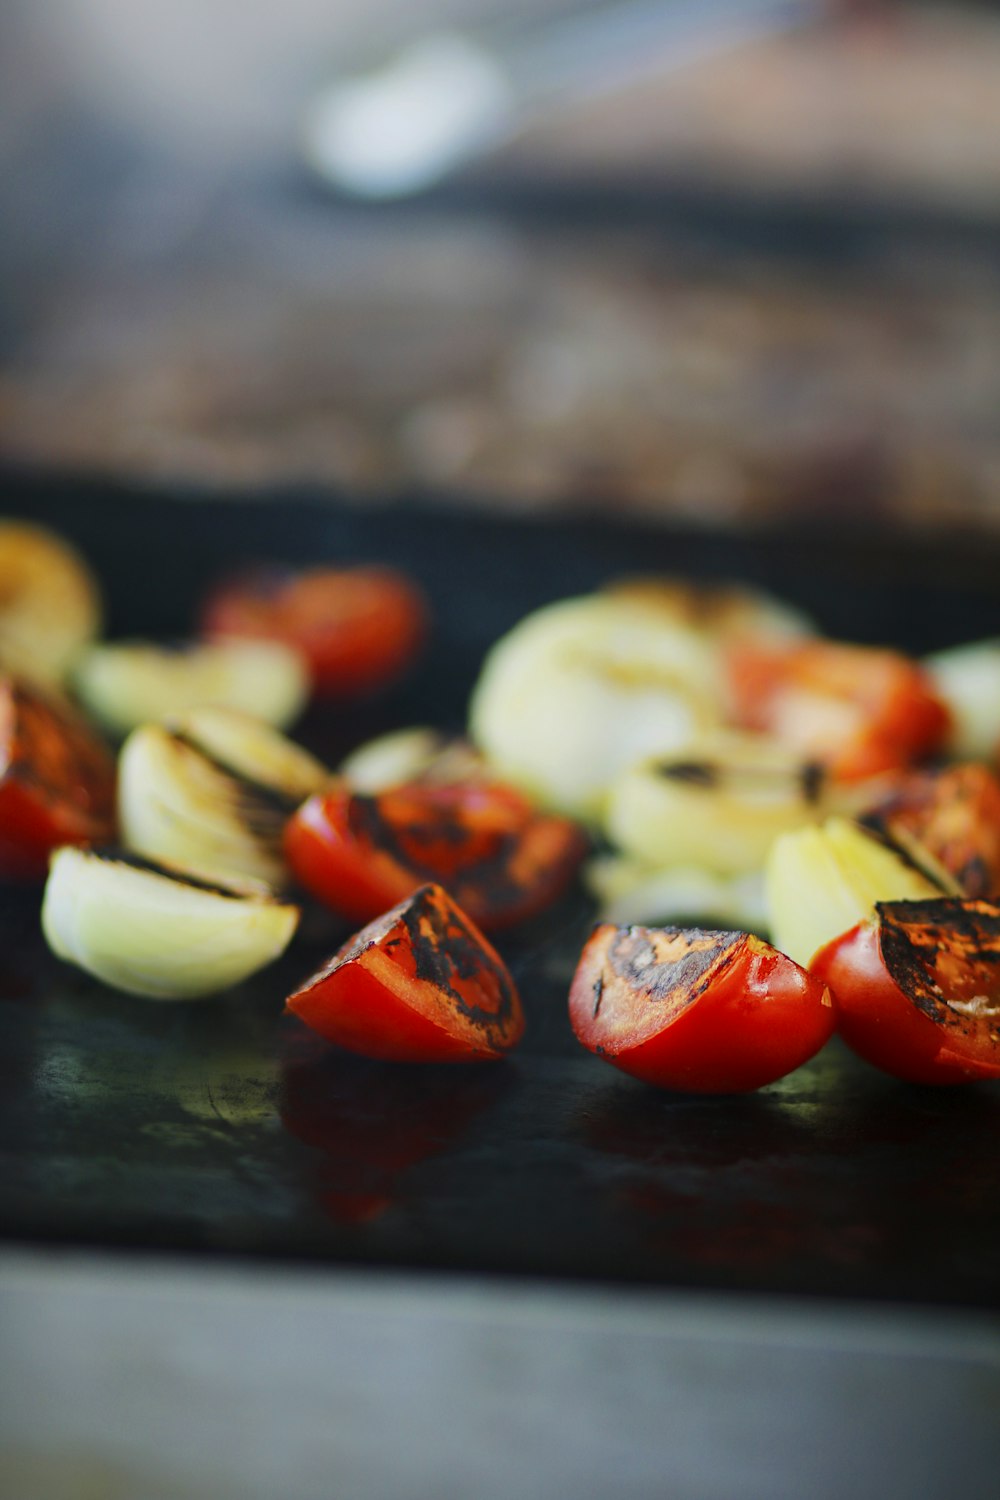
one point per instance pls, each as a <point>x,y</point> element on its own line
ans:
<point>252,750</point>
<point>582,689</point>
<point>158,932</point>
<point>128,683</point>
<point>50,602</point>
<point>820,882</point>
<point>628,891</point>
<point>178,803</point>
<point>414,754</point>
<point>967,679</point>
<point>718,803</point>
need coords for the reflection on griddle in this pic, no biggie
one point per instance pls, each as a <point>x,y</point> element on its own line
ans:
<point>373,1122</point>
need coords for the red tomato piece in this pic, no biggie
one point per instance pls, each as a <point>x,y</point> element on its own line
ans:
<point>57,780</point>
<point>954,814</point>
<point>917,990</point>
<point>703,1012</point>
<point>419,984</point>
<point>500,859</point>
<point>358,628</point>
<point>857,709</point>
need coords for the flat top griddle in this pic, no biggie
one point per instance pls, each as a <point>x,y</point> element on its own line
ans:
<point>224,1128</point>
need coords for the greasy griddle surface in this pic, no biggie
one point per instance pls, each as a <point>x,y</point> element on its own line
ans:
<point>226,1127</point>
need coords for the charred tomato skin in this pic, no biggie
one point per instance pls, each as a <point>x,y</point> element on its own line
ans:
<point>57,780</point>
<point>696,1011</point>
<point>954,813</point>
<point>916,991</point>
<point>419,984</point>
<point>358,628</point>
<point>500,859</point>
<point>861,710</point>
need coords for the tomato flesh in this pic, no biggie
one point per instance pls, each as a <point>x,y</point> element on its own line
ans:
<point>57,780</point>
<point>358,628</point>
<point>697,1011</point>
<point>501,860</point>
<point>419,984</point>
<point>857,709</point>
<point>917,990</point>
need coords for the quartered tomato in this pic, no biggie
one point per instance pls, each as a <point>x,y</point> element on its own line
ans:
<point>358,628</point>
<point>857,709</point>
<point>419,984</point>
<point>917,990</point>
<point>704,1012</point>
<point>485,843</point>
<point>954,814</point>
<point>57,780</point>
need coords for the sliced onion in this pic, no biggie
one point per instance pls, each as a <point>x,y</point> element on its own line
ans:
<point>628,891</point>
<point>155,931</point>
<point>821,882</point>
<point>125,684</point>
<point>718,803</point>
<point>223,812</point>
<point>581,690</point>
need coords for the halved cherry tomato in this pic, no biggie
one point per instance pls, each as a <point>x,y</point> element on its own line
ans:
<point>703,1012</point>
<point>485,843</point>
<point>419,984</point>
<point>917,990</point>
<point>358,628</point>
<point>57,780</point>
<point>857,709</point>
<point>954,814</point>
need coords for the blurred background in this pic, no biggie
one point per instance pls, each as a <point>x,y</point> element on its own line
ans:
<point>722,262</point>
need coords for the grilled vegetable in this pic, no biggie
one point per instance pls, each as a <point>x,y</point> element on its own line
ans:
<point>705,1012</point>
<point>718,804</point>
<point>214,791</point>
<point>129,683</point>
<point>967,679</point>
<point>917,989</point>
<point>57,779</point>
<point>405,755</point>
<point>419,984</point>
<point>357,628</point>
<point>499,857</point>
<point>156,931</point>
<point>581,690</point>
<point>857,710</point>
<point>50,603</point>
<point>820,882</point>
<point>948,820</point>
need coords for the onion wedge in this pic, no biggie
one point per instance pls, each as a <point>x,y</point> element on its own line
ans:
<point>159,932</point>
<point>127,683</point>
<point>214,790</point>
<point>581,690</point>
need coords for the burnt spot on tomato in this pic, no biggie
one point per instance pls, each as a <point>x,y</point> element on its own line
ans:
<point>598,993</point>
<point>954,813</point>
<point>449,954</point>
<point>944,955</point>
<point>491,852</point>
<point>670,966</point>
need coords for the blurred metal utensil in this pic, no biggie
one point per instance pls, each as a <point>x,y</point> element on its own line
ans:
<point>450,96</point>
